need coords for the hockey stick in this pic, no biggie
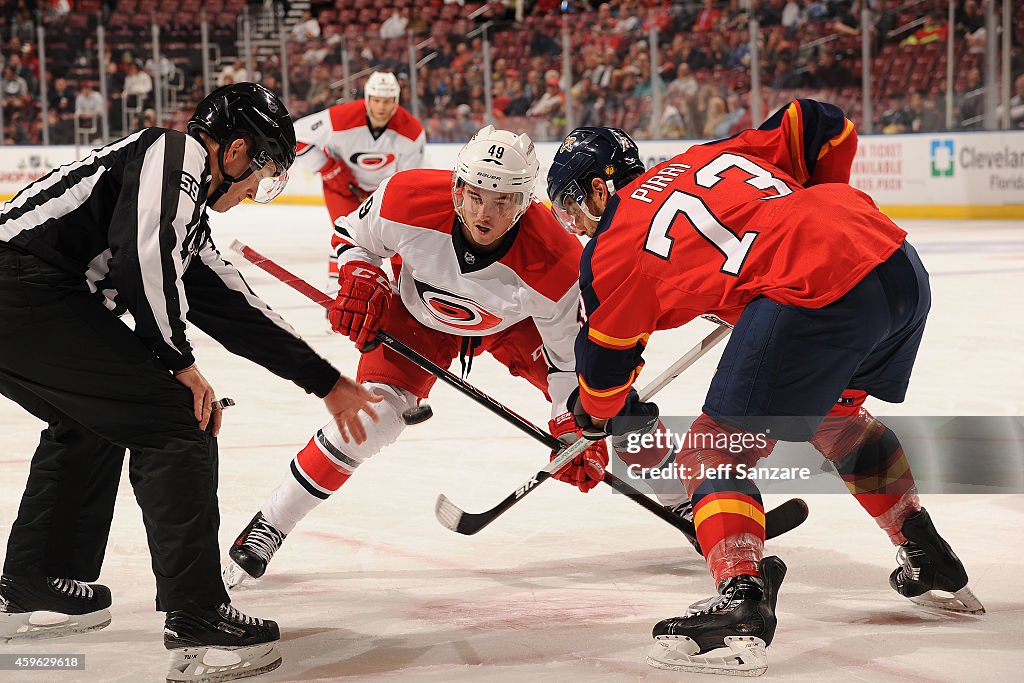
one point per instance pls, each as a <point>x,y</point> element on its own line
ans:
<point>778,521</point>
<point>507,414</point>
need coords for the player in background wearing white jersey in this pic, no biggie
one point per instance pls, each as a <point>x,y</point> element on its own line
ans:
<point>484,268</point>
<point>355,146</point>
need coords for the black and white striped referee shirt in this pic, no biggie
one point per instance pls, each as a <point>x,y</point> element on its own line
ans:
<point>130,217</point>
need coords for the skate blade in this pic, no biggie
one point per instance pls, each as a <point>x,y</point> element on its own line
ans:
<point>41,624</point>
<point>215,665</point>
<point>742,656</point>
<point>236,577</point>
<point>962,601</point>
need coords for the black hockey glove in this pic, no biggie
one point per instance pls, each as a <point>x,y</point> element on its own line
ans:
<point>635,416</point>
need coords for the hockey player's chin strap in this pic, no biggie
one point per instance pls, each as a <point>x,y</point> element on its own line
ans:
<point>227,181</point>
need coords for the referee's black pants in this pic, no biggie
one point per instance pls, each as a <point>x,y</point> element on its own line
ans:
<point>71,363</point>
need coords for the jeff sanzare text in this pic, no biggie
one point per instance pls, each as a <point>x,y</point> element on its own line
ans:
<point>739,471</point>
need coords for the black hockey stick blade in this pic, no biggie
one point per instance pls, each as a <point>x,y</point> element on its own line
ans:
<point>779,520</point>
<point>468,523</point>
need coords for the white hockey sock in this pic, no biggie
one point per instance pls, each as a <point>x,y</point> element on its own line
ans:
<point>288,504</point>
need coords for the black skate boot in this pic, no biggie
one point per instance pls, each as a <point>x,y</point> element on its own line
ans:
<point>685,510</point>
<point>928,565</point>
<point>739,624</point>
<point>211,645</point>
<point>251,552</point>
<point>41,607</point>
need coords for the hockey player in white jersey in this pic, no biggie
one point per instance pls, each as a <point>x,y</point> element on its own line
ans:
<point>355,146</point>
<point>484,268</point>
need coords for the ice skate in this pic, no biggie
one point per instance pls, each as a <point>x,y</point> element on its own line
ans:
<point>685,510</point>
<point>251,552</point>
<point>41,607</point>
<point>726,633</point>
<point>931,575</point>
<point>219,644</point>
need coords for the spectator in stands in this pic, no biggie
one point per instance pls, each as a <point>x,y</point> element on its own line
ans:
<point>810,77</point>
<point>972,101</point>
<point>629,19</point>
<point>21,70</point>
<point>971,24</point>
<point>15,90</point>
<point>315,53</point>
<point>897,118</point>
<point>885,19</point>
<point>551,103</point>
<point>233,73</point>
<point>673,122</point>
<point>925,114</point>
<point>933,30</point>
<point>831,72</point>
<point>793,17</point>
<point>89,106</point>
<point>62,128</point>
<point>684,85</point>
<point>847,21</point>
<point>138,85</point>
<point>518,102</point>
<point>715,121</point>
<point>417,24</point>
<point>307,29</point>
<point>785,76</point>
<point>708,18</point>
<point>61,97</point>
<point>693,56</point>
<point>394,26</point>
<point>319,95</point>
<point>16,132</point>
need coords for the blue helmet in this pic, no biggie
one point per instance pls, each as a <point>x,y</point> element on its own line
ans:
<point>587,153</point>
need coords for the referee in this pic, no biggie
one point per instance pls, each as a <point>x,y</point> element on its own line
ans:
<point>125,230</point>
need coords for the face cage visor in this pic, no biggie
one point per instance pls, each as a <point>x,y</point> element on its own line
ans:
<point>572,201</point>
<point>271,184</point>
<point>506,206</point>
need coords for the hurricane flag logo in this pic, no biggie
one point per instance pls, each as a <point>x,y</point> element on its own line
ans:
<point>454,310</point>
<point>372,161</point>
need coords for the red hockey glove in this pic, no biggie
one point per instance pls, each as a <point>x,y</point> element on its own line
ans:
<point>337,177</point>
<point>587,470</point>
<point>362,303</point>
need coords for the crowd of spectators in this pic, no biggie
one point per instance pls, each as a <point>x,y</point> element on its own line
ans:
<point>700,64</point>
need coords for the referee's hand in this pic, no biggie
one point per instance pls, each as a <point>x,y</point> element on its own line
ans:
<point>202,398</point>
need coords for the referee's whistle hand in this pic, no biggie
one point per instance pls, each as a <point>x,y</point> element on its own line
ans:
<point>203,397</point>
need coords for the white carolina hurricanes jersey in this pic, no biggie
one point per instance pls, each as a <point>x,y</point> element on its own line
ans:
<point>447,287</point>
<point>342,132</point>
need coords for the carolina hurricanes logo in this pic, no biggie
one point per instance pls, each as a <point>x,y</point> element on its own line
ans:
<point>372,161</point>
<point>454,310</point>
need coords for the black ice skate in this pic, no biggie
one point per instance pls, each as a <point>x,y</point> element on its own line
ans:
<point>726,633</point>
<point>685,510</point>
<point>41,607</point>
<point>931,574</point>
<point>219,644</point>
<point>251,552</point>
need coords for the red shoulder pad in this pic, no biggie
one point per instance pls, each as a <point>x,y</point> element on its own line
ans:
<point>421,197</point>
<point>348,115</point>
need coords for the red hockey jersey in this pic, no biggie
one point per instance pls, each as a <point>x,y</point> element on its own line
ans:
<point>766,213</point>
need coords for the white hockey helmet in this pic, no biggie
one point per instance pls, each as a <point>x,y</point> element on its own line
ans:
<point>382,84</point>
<point>500,161</point>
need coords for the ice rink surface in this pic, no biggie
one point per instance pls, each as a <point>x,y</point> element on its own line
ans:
<point>565,587</point>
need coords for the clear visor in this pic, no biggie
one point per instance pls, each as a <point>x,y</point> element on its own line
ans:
<point>567,205</point>
<point>480,202</point>
<point>270,183</point>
